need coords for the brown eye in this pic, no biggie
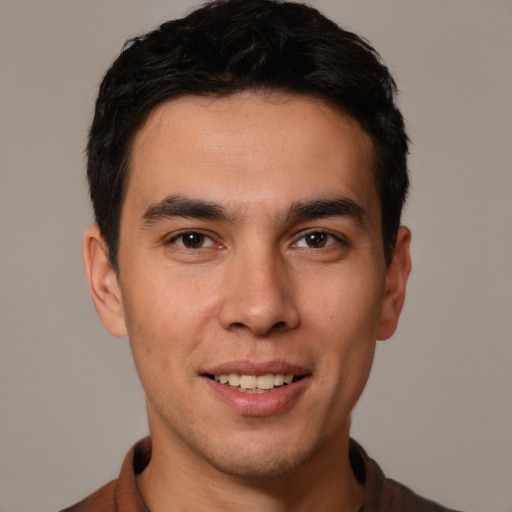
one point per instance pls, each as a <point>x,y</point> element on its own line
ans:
<point>319,240</point>
<point>316,240</point>
<point>192,240</point>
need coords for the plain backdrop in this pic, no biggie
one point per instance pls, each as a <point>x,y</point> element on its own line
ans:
<point>437,412</point>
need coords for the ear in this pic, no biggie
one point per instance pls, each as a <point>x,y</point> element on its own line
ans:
<point>103,282</point>
<point>396,280</point>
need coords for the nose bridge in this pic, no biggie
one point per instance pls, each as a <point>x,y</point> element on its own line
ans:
<point>259,292</point>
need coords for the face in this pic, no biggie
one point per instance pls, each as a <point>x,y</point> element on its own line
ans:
<point>251,252</point>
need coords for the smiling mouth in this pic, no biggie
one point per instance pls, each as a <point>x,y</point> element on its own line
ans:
<point>253,384</point>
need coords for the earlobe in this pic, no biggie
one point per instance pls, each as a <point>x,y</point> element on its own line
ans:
<point>396,280</point>
<point>103,282</point>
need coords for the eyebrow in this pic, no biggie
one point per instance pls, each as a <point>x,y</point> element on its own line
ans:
<point>179,206</point>
<point>328,207</point>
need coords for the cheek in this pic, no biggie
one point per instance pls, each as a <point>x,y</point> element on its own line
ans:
<point>160,323</point>
<point>343,319</point>
<point>165,300</point>
<point>348,302</point>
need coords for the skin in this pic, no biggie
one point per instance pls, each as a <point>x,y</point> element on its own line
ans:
<point>255,289</point>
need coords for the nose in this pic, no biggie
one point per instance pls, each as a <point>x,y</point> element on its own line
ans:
<point>259,295</point>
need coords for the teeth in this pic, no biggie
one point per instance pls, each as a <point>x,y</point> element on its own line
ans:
<point>253,383</point>
<point>266,381</point>
<point>279,379</point>
<point>234,379</point>
<point>248,381</point>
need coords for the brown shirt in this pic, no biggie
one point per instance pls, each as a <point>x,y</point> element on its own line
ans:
<point>381,494</point>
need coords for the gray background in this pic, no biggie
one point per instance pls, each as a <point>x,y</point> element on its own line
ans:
<point>437,413</point>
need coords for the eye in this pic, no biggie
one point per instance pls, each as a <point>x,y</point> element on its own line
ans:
<point>192,240</point>
<point>317,240</point>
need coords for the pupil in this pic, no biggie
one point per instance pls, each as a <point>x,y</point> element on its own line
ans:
<point>193,240</point>
<point>316,239</point>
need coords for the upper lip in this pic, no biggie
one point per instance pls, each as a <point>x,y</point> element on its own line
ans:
<point>244,367</point>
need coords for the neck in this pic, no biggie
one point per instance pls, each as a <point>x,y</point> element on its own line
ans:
<point>176,480</point>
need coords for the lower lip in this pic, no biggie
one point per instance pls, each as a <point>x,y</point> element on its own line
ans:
<point>264,404</point>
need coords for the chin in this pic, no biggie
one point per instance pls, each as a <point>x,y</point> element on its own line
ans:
<point>258,462</point>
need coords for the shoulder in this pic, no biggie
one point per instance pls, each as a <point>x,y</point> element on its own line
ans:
<point>384,494</point>
<point>396,496</point>
<point>103,500</point>
<point>120,495</point>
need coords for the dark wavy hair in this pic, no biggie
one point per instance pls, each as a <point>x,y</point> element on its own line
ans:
<point>228,46</point>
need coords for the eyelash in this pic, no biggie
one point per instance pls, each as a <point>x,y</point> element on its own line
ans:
<point>336,237</point>
<point>181,235</point>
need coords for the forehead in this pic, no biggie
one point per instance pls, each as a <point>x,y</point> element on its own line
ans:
<point>250,147</point>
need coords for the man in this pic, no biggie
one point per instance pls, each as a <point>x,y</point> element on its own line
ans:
<point>247,167</point>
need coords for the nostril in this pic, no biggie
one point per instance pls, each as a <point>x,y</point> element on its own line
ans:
<point>275,327</point>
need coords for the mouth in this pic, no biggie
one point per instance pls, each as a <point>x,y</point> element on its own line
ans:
<point>257,389</point>
<point>255,384</point>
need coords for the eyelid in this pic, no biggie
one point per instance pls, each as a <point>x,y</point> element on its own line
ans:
<point>171,239</point>
<point>338,237</point>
